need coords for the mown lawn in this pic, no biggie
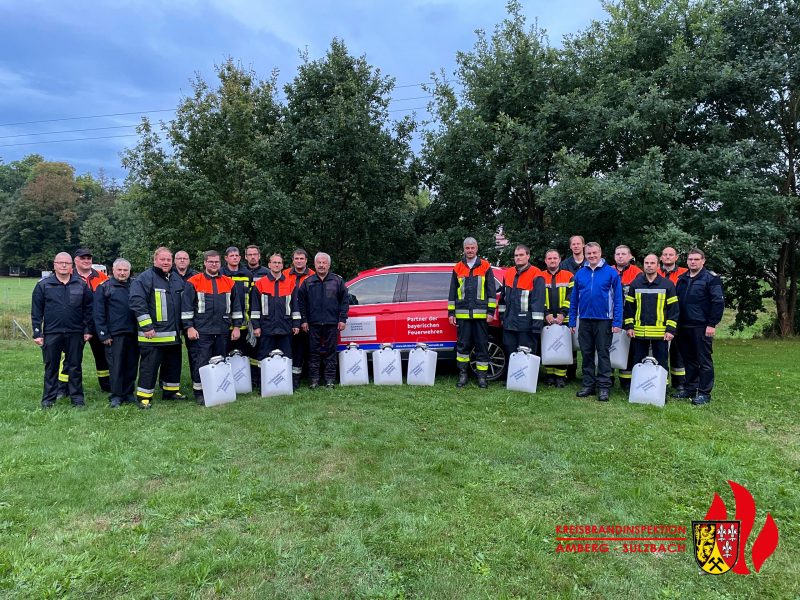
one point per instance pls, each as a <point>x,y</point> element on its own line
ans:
<point>388,493</point>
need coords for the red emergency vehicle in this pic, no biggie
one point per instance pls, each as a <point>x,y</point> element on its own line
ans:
<point>406,304</point>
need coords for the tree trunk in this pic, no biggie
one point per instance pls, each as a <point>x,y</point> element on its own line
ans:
<point>786,288</point>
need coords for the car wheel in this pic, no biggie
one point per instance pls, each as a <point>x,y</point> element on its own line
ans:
<point>497,361</point>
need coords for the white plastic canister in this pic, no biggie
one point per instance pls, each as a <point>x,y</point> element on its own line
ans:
<point>421,366</point>
<point>353,366</point>
<point>217,380</point>
<point>556,345</point>
<point>240,365</point>
<point>276,375</point>
<point>523,371</point>
<point>386,366</point>
<point>648,383</point>
<point>620,346</point>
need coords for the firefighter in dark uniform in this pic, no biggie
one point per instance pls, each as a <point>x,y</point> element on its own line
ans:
<point>183,269</point>
<point>670,270</point>
<point>211,305</point>
<point>252,256</point>
<point>298,273</point>
<point>155,298</point>
<point>61,314</point>
<point>558,290</point>
<point>471,301</point>
<point>274,312</point>
<point>702,303</point>
<point>242,278</point>
<point>324,304</point>
<point>623,263</point>
<point>115,325</point>
<point>651,313</point>
<point>572,263</point>
<point>521,303</point>
<point>92,278</point>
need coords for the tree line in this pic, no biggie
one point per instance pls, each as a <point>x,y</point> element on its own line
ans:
<point>669,122</point>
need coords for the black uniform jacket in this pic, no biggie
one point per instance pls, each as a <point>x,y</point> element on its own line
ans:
<point>700,299</point>
<point>61,307</point>
<point>155,299</point>
<point>112,311</point>
<point>323,302</point>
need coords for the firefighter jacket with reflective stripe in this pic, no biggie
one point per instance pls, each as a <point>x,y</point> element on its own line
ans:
<point>472,291</point>
<point>297,278</point>
<point>521,302</point>
<point>112,310</point>
<point>61,307</point>
<point>241,278</point>
<point>190,272</point>
<point>597,294</point>
<point>672,275</point>
<point>257,273</point>
<point>274,306</point>
<point>651,307</point>
<point>558,287</point>
<point>627,275</point>
<point>323,301</point>
<point>156,301</point>
<point>212,304</point>
<point>701,299</point>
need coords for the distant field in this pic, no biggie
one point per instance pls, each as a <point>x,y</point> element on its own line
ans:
<point>370,492</point>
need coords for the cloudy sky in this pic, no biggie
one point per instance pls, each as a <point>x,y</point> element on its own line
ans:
<point>65,60</point>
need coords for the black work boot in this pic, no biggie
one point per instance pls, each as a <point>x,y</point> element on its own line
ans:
<point>462,377</point>
<point>482,382</point>
<point>295,380</point>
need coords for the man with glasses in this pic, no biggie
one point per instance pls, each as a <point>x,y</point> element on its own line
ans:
<point>61,313</point>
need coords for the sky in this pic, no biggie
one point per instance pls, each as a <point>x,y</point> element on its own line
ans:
<point>63,61</point>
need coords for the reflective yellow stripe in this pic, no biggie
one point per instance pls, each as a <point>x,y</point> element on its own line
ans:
<point>481,291</point>
<point>170,388</point>
<point>102,373</point>
<point>145,322</point>
<point>451,307</point>
<point>660,302</point>
<point>638,316</point>
<point>671,323</point>
<point>672,300</point>
<point>649,331</point>
<point>460,291</point>
<point>156,340</point>
<point>159,314</point>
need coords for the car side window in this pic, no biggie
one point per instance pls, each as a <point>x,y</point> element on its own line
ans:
<point>378,289</point>
<point>428,286</point>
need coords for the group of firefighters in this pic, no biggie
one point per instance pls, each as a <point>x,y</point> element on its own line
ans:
<point>668,311</point>
<point>138,326</point>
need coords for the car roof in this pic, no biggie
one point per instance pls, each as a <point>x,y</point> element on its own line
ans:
<point>414,267</point>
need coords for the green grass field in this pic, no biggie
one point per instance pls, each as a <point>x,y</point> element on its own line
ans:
<point>388,493</point>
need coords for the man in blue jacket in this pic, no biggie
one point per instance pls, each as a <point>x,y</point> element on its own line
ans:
<point>597,301</point>
<point>701,303</point>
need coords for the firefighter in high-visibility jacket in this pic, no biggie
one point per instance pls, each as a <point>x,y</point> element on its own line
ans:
<point>670,269</point>
<point>275,313</point>
<point>471,301</point>
<point>155,298</point>
<point>623,263</point>
<point>521,303</point>
<point>298,273</point>
<point>651,313</point>
<point>211,311</point>
<point>93,278</point>
<point>558,290</point>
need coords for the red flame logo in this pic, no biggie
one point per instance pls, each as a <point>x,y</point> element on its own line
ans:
<point>767,539</point>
